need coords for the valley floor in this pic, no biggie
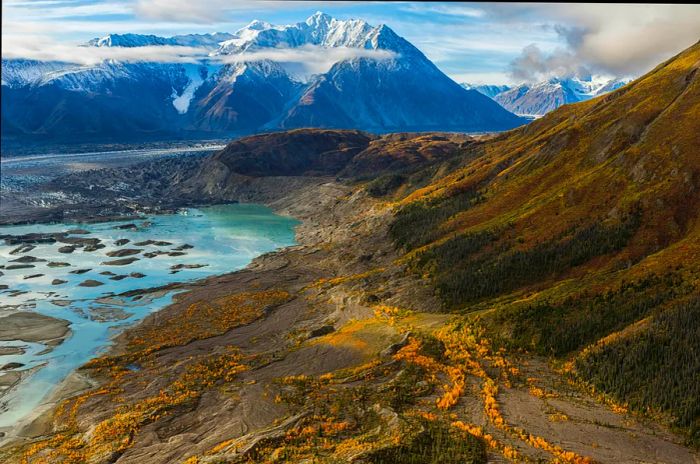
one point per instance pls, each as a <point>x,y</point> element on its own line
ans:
<point>328,352</point>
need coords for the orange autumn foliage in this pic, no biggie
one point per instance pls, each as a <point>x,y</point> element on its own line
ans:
<point>206,319</point>
<point>116,433</point>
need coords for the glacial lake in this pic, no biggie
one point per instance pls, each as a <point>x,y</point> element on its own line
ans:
<point>222,239</point>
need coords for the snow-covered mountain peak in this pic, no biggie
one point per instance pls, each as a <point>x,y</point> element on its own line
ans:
<point>319,19</point>
<point>576,88</point>
<point>350,33</point>
<point>257,25</point>
<point>320,29</point>
<point>486,89</point>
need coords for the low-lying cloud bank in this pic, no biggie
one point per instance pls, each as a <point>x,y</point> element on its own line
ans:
<point>89,56</point>
<point>307,59</point>
<point>304,60</point>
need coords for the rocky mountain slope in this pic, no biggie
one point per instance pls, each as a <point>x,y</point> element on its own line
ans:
<point>522,298</point>
<point>541,98</point>
<point>245,82</point>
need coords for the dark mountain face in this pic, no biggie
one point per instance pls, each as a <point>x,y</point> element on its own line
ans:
<point>59,112</point>
<point>242,101</point>
<point>412,95</point>
<point>108,103</point>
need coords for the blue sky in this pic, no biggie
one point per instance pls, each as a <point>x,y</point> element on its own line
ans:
<point>471,42</point>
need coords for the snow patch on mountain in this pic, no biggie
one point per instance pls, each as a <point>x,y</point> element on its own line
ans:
<point>196,75</point>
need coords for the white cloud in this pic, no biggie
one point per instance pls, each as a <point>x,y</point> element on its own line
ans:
<point>308,59</point>
<point>532,65</point>
<point>479,78</point>
<point>184,10</point>
<point>631,38</point>
<point>62,9</point>
<point>623,39</point>
<point>88,30</point>
<point>44,49</point>
<point>301,61</point>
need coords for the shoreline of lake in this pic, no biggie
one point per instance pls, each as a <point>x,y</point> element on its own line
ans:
<point>134,290</point>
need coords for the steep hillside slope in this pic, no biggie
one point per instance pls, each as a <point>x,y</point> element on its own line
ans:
<point>578,236</point>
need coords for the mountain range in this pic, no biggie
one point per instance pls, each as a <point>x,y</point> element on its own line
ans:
<point>542,97</point>
<point>523,297</point>
<point>375,80</point>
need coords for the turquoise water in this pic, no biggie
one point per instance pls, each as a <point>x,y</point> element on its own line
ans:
<point>224,238</point>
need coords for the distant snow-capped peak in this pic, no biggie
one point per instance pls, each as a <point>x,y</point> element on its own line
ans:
<point>536,99</point>
<point>211,41</point>
<point>489,90</point>
<point>581,87</point>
